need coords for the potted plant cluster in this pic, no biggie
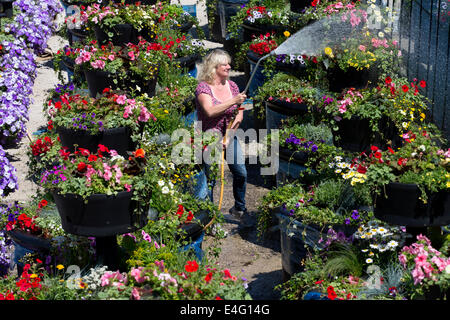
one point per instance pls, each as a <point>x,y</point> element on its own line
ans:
<point>368,142</point>
<point>111,200</point>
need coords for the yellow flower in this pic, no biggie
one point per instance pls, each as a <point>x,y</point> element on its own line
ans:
<point>329,52</point>
<point>286,33</point>
<point>33,276</point>
<point>165,111</point>
<point>59,267</point>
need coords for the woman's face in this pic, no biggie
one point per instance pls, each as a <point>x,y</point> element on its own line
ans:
<point>223,69</point>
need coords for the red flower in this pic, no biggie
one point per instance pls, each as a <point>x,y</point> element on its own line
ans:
<point>208,277</point>
<point>331,293</point>
<point>42,204</point>
<point>318,282</point>
<point>374,148</point>
<point>423,84</point>
<point>227,274</point>
<point>402,161</point>
<point>314,3</point>
<point>81,167</point>
<point>361,169</point>
<point>191,266</point>
<point>390,150</point>
<point>92,158</point>
<point>388,80</point>
<point>218,298</point>
<point>405,88</point>
<point>377,155</point>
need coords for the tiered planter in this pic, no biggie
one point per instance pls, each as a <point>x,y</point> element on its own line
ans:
<point>401,205</point>
<point>118,139</point>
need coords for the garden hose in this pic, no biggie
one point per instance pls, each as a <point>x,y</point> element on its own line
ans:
<point>222,169</point>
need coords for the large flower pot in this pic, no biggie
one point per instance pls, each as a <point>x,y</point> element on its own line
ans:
<point>100,216</point>
<point>188,63</point>
<point>297,238</point>
<point>401,205</point>
<point>355,134</point>
<point>224,10</point>
<point>98,80</point>
<point>299,5</point>
<point>195,227</point>
<point>6,8</point>
<point>196,246</point>
<point>25,243</point>
<point>253,29</point>
<point>119,35</point>
<point>339,79</point>
<point>278,110</point>
<point>77,35</point>
<point>118,139</point>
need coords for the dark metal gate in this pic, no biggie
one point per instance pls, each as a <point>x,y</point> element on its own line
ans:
<point>423,34</point>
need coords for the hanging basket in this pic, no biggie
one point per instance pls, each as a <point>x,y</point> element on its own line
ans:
<point>100,216</point>
<point>401,205</point>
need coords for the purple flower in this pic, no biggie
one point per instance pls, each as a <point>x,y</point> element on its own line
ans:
<point>355,214</point>
<point>347,220</point>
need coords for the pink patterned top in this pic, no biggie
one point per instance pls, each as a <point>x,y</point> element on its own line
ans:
<point>220,123</point>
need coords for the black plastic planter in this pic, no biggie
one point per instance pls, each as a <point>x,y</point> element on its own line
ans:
<point>188,62</point>
<point>299,5</point>
<point>401,205</point>
<point>98,80</point>
<point>122,34</point>
<point>101,216</point>
<point>194,228</point>
<point>249,30</point>
<point>6,8</point>
<point>278,110</point>
<point>356,135</point>
<point>339,79</point>
<point>353,134</point>
<point>29,241</point>
<point>297,238</point>
<point>118,139</point>
<point>77,35</point>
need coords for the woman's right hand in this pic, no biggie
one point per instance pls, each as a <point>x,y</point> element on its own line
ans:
<point>240,98</point>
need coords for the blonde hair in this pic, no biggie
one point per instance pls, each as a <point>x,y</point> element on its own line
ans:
<point>210,63</point>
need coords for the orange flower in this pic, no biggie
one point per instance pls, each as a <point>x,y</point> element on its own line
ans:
<point>139,153</point>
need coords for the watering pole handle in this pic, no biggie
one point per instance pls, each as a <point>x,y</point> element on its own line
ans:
<point>254,70</point>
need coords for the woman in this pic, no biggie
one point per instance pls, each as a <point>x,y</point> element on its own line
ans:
<point>217,98</point>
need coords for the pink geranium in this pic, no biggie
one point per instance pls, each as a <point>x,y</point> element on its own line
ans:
<point>98,64</point>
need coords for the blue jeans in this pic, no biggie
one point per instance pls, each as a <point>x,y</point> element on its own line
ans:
<point>205,184</point>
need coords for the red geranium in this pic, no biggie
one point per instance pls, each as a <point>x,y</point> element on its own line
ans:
<point>208,277</point>
<point>191,266</point>
<point>331,293</point>
<point>42,203</point>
